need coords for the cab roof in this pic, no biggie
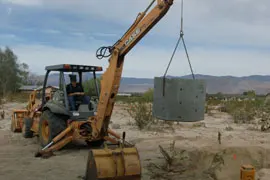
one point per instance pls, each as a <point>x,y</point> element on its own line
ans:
<point>73,68</point>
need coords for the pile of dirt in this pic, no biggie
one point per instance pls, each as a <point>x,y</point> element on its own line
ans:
<point>207,163</point>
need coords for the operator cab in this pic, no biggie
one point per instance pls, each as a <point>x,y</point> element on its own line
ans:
<point>71,95</point>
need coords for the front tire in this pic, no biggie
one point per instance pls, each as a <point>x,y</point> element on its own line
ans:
<point>26,129</point>
<point>50,125</point>
<point>12,125</point>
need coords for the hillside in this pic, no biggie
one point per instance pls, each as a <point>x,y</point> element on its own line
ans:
<point>215,84</point>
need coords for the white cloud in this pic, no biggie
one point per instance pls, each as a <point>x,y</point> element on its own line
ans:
<point>8,36</point>
<point>51,31</point>
<point>37,57</point>
<point>105,34</point>
<point>24,2</point>
<point>77,34</point>
<point>9,11</point>
<point>219,24</point>
<point>149,62</point>
<point>231,22</point>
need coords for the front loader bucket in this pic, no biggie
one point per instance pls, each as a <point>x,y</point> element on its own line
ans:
<point>17,120</point>
<point>117,164</point>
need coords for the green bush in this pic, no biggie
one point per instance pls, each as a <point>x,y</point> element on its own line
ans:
<point>141,112</point>
<point>242,116</point>
<point>148,96</point>
<point>89,87</point>
<point>213,102</point>
<point>243,111</point>
<point>140,108</point>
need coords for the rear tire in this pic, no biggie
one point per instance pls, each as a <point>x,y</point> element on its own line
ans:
<point>96,144</point>
<point>50,125</point>
<point>26,129</point>
<point>12,125</point>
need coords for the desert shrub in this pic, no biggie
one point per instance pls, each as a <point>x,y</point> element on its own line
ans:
<point>222,108</point>
<point>141,112</point>
<point>148,96</point>
<point>206,109</point>
<point>264,118</point>
<point>250,110</point>
<point>267,101</point>
<point>213,102</point>
<point>140,108</point>
<point>18,97</point>
<point>243,111</point>
<point>228,128</point>
<point>243,116</point>
<point>127,99</point>
<point>122,98</point>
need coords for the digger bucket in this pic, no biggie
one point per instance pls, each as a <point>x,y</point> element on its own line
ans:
<point>117,164</point>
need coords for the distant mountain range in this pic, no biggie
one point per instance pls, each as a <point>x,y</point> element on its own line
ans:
<point>214,84</point>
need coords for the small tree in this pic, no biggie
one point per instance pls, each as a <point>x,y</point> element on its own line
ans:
<point>219,95</point>
<point>250,94</point>
<point>140,109</point>
<point>148,96</point>
<point>141,112</point>
<point>12,73</point>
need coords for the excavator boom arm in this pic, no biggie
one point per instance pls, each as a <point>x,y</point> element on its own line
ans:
<point>142,25</point>
<point>110,80</point>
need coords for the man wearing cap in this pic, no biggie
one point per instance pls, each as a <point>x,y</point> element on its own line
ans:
<point>75,91</point>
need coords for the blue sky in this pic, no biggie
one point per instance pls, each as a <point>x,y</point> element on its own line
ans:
<point>223,37</point>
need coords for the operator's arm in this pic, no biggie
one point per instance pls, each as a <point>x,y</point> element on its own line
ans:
<point>80,89</point>
<point>75,93</point>
<point>70,91</point>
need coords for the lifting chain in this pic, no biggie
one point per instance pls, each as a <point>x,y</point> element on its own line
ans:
<point>181,37</point>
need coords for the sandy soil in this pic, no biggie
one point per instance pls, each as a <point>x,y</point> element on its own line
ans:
<point>199,156</point>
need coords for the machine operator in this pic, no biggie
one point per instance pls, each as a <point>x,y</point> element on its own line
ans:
<point>75,92</point>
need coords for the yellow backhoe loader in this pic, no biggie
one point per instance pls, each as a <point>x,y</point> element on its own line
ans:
<point>112,162</point>
<point>56,125</point>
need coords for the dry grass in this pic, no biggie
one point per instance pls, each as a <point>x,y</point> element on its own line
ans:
<point>216,164</point>
<point>178,164</point>
<point>254,112</point>
<point>18,97</point>
<point>243,112</point>
<point>229,128</point>
<point>168,167</point>
<point>264,120</point>
<point>198,124</point>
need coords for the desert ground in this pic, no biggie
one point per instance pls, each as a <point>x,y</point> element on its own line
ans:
<point>198,153</point>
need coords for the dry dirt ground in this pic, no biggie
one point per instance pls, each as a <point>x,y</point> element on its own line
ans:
<point>198,154</point>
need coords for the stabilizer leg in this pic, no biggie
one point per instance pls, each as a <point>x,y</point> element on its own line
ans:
<point>48,150</point>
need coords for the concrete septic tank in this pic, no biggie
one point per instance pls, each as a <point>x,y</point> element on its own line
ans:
<point>178,99</point>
